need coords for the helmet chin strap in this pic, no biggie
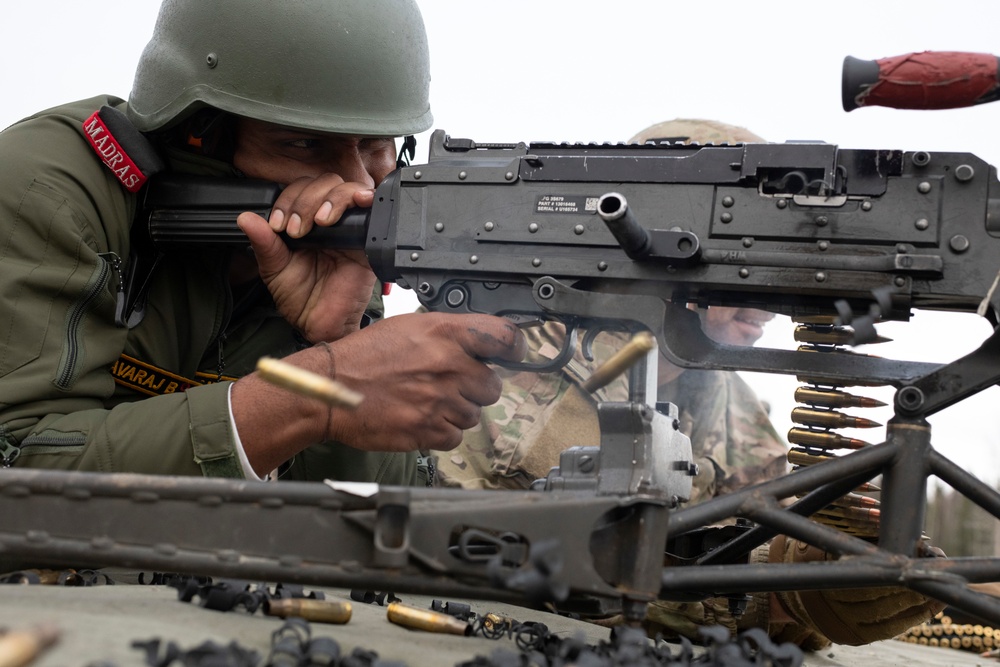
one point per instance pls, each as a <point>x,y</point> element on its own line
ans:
<point>407,151</point>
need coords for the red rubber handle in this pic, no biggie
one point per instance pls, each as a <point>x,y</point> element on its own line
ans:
<point>926,80</point>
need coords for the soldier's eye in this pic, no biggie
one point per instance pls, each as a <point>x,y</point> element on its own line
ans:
<point>304,143</point>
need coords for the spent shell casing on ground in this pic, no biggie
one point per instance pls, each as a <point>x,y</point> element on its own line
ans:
<point>630,353</point>
<point>830,419</point>
<point>320,611</point>
<point>425,619</point>
<point>831,398</point>
<point>20,647</point>
<point>823,439</point>
<point>47,577</point>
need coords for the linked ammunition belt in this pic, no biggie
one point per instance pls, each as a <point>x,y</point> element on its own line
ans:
<point>942,632</point>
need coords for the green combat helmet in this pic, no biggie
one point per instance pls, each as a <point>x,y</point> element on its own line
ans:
<point>347,66</point>
<point>695,130</point>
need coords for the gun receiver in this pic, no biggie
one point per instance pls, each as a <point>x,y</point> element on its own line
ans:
<point>591,234</point>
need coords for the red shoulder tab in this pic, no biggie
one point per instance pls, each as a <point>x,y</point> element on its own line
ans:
<point>112,154</point>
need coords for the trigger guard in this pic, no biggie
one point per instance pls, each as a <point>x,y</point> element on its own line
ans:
<point>595,329</point>
<point>554,364</point>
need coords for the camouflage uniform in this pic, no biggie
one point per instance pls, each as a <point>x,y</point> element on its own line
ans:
<point>519,438</point>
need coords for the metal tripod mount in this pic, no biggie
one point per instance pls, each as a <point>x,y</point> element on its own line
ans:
<point>905,461</point>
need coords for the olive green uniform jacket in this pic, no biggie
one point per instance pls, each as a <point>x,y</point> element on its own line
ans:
<point>64,236</point>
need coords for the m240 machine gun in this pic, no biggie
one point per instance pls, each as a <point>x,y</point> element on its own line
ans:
<point>604,237</point>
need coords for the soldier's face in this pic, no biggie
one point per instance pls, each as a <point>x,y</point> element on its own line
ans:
<point>735,326</point>
<point>283,154</point>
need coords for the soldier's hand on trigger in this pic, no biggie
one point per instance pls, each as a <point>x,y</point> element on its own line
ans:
<point>423,376</point>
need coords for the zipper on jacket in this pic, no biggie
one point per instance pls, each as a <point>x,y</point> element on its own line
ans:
<point>56,441</point>
<point>66,372</point>
<point>8,450</point>
<point>221,332</point>
<point>116,265</point>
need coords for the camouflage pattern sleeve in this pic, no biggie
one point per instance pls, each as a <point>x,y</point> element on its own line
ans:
<point>519,438</point>
<point>539,415</point>
<point>733,439</point>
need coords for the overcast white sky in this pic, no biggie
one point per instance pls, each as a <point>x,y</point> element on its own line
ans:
<point>586,70</point>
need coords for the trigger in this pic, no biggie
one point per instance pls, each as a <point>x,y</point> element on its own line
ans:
<point>547,365</point>
<point>587,345</point>
<point>596,328</point>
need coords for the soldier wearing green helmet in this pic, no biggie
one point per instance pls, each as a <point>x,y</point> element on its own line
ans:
<point>348,67</point>
<point>311,95</point>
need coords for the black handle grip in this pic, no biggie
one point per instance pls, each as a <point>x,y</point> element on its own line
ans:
<point>184,210</point>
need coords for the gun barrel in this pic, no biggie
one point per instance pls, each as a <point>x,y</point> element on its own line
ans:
<point>925,80</point>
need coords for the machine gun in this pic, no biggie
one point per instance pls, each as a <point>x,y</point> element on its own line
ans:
<point>600,237</point>
<point>591,234</point>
